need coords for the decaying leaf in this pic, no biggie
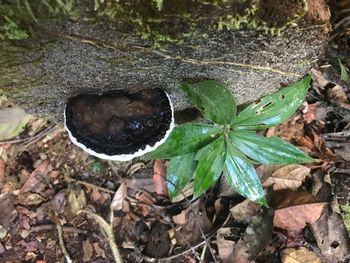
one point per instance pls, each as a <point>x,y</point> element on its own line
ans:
<point>99,251</point>
<point>88,251</point>
<point>244,211</point>
<point>257,235</point>
<point>288,177</point>
<point>340,143</point>
<point>225,245</point>
<point>299,255</point>
<point>76,199</point>
<point>12,122</point>
<point>8,211</point>
<point>119,197</point>
<point>38,179</point>
<point>332,237</point>
<point>296,209</point>
<point>159,178</point>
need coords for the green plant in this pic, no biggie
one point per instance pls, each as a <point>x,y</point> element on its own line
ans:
<point>230,145</point>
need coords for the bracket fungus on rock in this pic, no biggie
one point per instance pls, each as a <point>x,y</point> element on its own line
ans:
<point>117,125</point>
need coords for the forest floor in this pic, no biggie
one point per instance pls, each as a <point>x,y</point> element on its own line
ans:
<point>58,203</point>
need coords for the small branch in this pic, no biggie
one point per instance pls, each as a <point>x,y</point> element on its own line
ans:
<point>70,180</point>
<point>61,241</point>
<point>107,229</point>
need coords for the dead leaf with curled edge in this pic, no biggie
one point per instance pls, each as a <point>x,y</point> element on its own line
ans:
<point>296,209</point>
<point>287,177</point>
<point>299,255</point>
<point>119,197</point>
<point>38,179</point>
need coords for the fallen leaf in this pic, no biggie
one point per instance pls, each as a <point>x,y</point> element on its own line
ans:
<point>244,211</point>
<point>310,114</point>
<point>8,211</point>
<point>99,251</point>
<point>299,255</point>
<point>99,197</point>
<point>87,250</point>
<point>12,122</point>
<point>38,179</point>
<point>59,201</point>
<point>287,177</point>
<point>225,244</point>
<point>332,237</point>
<point>339,142</point>
<point>2,249</point>
<point>2,172</point>
<point>76,199</point>
<point>119,197</point>
<point>30,246</point>
<point>296,209</point>
<point>338,96</point>
<point>30,199</point>
<point>256,236</point>
<point>159,178</point>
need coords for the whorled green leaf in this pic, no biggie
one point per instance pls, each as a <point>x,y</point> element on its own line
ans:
<point>184,139</point>
<point>271,150</point>
<point>12,122</point>
<point>241,175</point>
<point>210,164</point>
<point>273,109</point>
<point>212,98</point>
<point>179,173</point>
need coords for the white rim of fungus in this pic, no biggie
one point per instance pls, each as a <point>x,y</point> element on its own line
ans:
<point>130,156</point>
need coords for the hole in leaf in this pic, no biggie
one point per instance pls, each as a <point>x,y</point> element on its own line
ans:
<point>282,96</point>
<point>266,105</point>
<point>334,244</point>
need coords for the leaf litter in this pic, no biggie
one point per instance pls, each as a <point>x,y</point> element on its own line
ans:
<point>45,181</point>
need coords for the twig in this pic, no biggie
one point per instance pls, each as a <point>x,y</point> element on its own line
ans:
<point>70,180</point>
<point>107,229</point>
<point>61,241</point>
<point>30,139</point>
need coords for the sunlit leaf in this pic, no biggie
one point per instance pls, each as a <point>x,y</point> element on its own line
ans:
<point>241,175</point>
<point>179,173</point>
<point>212,98</point>
<point>210,164</point>
<point>12,122</point>
<point>273,109</point>
<point>271,150</point>
<point>343,72</point>
<point>184,139</point>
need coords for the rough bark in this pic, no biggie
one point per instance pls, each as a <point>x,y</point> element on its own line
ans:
<point>71,57</point>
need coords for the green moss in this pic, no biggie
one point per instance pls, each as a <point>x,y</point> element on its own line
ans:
<point>178,19</point>
<point>346,215</point>
<point>18,17</point>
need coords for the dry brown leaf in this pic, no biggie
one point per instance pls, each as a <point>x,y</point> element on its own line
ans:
<point>38,179</point>
<point>119,197</point>
<point>299,255</point>
<point>99,251</point>
<point>288,177</point>
<point>99,197</point>
<point>88,250</point>
<point>296,209</point>
<point>225,245</point>
<point>2,172</point>
<point>332,237</point>
<point>30,246</point>
<point>310,114</point>
<point>159,178</point>
<point>8,211</point>
<point>76,199</point>
<point>244,211</point>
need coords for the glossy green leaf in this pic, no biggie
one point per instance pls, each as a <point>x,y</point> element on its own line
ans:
<point>273,109</point>
<point>184,139</point>
<point>179,173</point>
<point>210,164</point>
<point>241,175</point>
<point>212,98</point>
<point>271,150</point>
